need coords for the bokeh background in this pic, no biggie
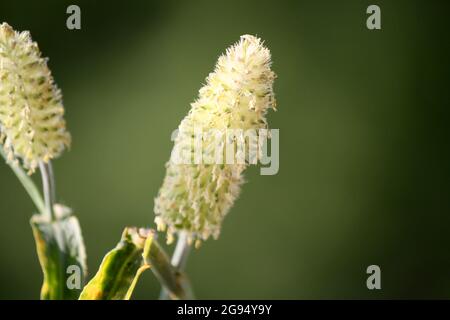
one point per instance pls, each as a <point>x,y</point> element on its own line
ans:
<point>364,156</point>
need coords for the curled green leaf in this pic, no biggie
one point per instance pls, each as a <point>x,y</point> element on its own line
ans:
<point>119,272</point>
<point>61,254</point>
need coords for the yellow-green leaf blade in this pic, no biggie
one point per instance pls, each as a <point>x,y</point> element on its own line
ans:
<point>62,256</point>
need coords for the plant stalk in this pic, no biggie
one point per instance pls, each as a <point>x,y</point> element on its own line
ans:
<point>181,252</point>
<point>48,186</point>
<point>179,258</point>
<point>27,183</point>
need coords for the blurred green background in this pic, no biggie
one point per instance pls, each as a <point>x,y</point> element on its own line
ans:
<point>364,156</point>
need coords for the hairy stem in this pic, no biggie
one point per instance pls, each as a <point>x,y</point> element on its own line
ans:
<point>179,258</point>
<point>27,183</point>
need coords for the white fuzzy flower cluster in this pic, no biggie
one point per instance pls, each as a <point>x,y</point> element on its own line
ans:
<point>32,127</point>
<point>196,197</point>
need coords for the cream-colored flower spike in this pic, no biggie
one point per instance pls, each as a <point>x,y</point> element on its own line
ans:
<point>32,127</point>
<point>196,197</point>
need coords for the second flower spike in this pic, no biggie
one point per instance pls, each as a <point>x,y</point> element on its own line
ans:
<point>195,197</point>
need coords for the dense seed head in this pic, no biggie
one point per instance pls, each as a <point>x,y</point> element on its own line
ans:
<point>196,197</point>
<point>32,127</point>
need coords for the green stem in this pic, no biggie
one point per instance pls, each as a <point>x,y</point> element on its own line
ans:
<point>179,259</point>
<point>48,185</point>
<point>27,183</point>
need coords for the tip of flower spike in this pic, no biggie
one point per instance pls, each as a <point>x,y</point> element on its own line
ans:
<point>4,25</point>
<point>250,38</point>
<point>6,28</point>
